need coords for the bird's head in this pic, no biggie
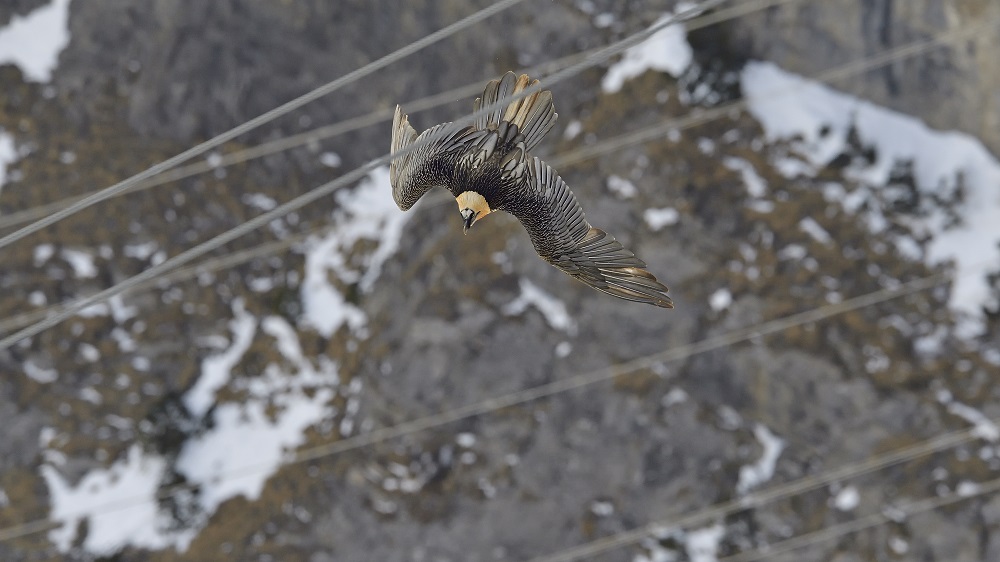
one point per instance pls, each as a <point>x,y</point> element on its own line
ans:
<point>473,207</point>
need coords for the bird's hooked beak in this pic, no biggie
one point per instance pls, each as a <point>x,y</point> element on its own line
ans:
<point>473,207</point>
<point>469,216</point>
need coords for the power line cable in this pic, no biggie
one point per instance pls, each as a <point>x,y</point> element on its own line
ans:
<point>426,423</point>
<point>844,71</point>
<point>774,493</point>
<point>189,272</point>
<point>356,123</point>
<point>348,178</point>
<point>648,134</point>
<point>243,256</point>
<point>671,355</point>
<point>271,115</point>
<point>895,513</point>
<point>181,274</point>
<point>578,381</point>
<point>253,153</point>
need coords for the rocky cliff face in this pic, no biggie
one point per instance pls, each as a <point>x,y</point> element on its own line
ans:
<point>17,8</point>
<point>392,317</point>
<point>955,86</point>
<point>201,70</point>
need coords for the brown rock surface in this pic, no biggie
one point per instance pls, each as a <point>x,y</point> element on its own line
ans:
<point>142,81</point>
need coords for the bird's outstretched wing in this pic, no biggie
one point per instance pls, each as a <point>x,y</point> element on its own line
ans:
<point>563,237</point>
<point>412,174</point>
<point>533,115</point>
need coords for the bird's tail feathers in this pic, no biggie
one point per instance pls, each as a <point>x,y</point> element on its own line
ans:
<point>533,115</point>
<point>617,272</point>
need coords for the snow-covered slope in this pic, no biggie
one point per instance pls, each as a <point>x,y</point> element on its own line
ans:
<point>33,42</point>
<point>945,166</point>
<point>247,440</point>
<point>246,415</point>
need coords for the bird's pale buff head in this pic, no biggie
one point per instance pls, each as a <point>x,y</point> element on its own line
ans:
<point>473,207</point>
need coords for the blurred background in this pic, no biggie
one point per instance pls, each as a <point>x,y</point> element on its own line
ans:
<point>794,155</point>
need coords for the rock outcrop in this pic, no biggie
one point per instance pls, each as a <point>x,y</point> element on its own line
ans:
<point>437,330</point>
<point>954,86</point>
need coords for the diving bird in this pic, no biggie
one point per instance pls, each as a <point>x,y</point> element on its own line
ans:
<point>488,168</point>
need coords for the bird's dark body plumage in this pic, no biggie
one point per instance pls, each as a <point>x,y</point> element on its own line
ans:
<point>487,168</point>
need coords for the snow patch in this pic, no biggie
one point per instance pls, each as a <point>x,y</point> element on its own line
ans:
<point>7,154</point>
<point>249,439</point>
<point>818,233</point>
<point>43,253</point>
<point>602,508</point>
<point>246,436</point>
<point>931,344</point>
<point>114,306</point>
<point>245,444</point>
<point>141,251</point>
<point>91,394</point>
<point>847,499</point>
<point>703,544</point>
<point>621,187</point>
<point>756,186</point>
<point>720,300</point>
<point>818,121</point>
<point>130,486</point>
<point>330,159</point>
<point>574,128</point>
<point>216,370</point>
<point>700,545</point>
<point>256,432</point>
<point>983,426</point>
<point>366,213</point>
<point>604,20</point>
<point>119,311</point>
<point>967,489</point>
<point>40,374</point>
<point>675,396</point>
<point>899,545</point>
<point>659,218</point>
<point>553,309</point>
<point>760,472</point>
<point>81,262</point>
<point>667,50</point>
<point>992,356</point>
<point>37,298</point>
<point>260,201</point>
<point>792,252</point>
<point>33,42</point>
